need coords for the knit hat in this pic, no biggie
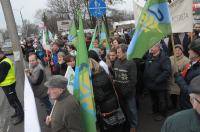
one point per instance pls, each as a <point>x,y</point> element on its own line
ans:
<point>56,81</point>
<point>94,55</point>
<point>195,85</point>
<point>195,46</point>
<point>179,46</point>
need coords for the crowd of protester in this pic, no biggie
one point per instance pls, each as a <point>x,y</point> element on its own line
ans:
<point>163,74</point>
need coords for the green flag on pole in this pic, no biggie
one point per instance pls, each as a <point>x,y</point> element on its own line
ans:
<point>83,90</point>
<point>72,37</point>
<point>93,39</point>
<point>103,37</point>
<point>154,24</point>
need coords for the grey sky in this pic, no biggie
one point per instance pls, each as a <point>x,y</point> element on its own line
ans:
<point>29,7</point>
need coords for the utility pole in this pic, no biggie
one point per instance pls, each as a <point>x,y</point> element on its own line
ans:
<point>18,57</point>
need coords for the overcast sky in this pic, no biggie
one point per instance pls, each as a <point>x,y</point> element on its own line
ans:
<point>29,7</point>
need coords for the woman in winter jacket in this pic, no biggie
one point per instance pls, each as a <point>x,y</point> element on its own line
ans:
<point>104,94</point>
<point>178,62</point>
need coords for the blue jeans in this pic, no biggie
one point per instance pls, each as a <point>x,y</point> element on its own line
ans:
<point>47,104</point>
<point>131,111</point>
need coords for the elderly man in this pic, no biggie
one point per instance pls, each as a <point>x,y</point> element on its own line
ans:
<point>65,115</point>
<point>187,120</point>
<point>190,71</point>
<point>156,76</point>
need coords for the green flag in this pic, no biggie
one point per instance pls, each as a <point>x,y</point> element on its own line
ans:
<point>93,39</point>
<point>103,37</point>
<point>154,23</point>
<point>72,37</point>
<point>83,90</point>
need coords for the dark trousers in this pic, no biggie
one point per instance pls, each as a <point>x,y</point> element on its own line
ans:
<point>13,100</point>
<point>159,101</point>
<point>47,104</point>
<point>174,100</point>
<point>185,101</point>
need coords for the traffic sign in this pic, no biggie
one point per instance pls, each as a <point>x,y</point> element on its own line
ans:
<point>97,8</point>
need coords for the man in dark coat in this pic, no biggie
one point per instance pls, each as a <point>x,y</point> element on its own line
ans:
<point>187,120</point>
<point>190,71</point>
<point>66,116</point>
<point>125,80</point>
<point>156,76</point>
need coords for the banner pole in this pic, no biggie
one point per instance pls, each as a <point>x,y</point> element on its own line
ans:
<point>173,47</point>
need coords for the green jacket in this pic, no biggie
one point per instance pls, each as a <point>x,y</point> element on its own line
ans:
<point>183,121</point>
<point>66,116</point>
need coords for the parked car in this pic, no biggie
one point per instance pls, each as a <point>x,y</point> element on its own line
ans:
<point>7,47</point>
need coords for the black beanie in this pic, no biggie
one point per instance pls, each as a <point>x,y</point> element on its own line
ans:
<point>92,54</point>
<point>195,46</point>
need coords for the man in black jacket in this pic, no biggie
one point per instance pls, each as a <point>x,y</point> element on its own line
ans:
<point>156,75</point>
<point>7,83</point>
<point>190,71</point>
<point>125,79</point>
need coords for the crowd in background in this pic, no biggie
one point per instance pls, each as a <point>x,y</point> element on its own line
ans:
<point>163,73</point>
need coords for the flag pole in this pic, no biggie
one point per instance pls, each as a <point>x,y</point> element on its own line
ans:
<point>173,47</point>
<point>52,108</point>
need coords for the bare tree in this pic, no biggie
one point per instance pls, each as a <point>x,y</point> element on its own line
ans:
<point>29,28</point>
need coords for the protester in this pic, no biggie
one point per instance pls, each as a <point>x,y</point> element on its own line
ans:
<point>7,83</point>
<point>188,39</point>
<point>104,95</point>
<point>71,50</point>
<point>29,49</point>
<point>156,77</point>
<point>96,43</point>
<point>37,77</point>
<point>66,116</point>
<point>190,71</point>
<point>115,43</point>
<point>112,57</point>
<point>60,67</point>
<point>94,54</point>
<point>187,120</point>
<point>178,62</point>
<point>70,60</point>
<point>54,56</point>
<point>40,52</point>
<point>125,80</point>
<point>102,53</point>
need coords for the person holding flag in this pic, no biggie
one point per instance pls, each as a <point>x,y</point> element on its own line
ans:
<point>65,115</point>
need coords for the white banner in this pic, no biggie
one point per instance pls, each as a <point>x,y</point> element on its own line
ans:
<point>70,74</point>
<point>182,18</point>
<point>31,123</point>
<point>137,7</point>
<point>64,25</point>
